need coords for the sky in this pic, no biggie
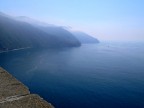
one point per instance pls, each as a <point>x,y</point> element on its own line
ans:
<point>113,20</point>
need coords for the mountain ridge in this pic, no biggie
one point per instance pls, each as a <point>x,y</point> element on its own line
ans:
<point>85,38</point>
<point>59,30</point>
<point>15,34</point>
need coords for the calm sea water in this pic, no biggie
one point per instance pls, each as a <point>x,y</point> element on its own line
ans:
<point>105,75</point>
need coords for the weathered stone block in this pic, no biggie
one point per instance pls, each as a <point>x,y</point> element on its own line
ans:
<point>29,101</point>
<point>14,94</point>
<point>10,86</point>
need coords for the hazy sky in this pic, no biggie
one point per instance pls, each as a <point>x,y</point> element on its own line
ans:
<point>105,19</point>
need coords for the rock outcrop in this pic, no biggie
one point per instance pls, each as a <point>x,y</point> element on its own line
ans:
<point>14,94</point>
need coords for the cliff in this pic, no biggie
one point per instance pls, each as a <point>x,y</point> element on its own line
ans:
<point>14,94</point>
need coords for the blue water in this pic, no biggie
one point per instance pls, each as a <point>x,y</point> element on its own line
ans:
<point>105,75</point>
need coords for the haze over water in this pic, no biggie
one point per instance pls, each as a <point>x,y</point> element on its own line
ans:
<point>105,75</point>
<point>121,20</point>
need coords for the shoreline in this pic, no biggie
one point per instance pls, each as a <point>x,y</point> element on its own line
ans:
<point>15,49</point>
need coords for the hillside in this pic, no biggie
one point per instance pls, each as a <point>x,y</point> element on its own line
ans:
<point>59,32</point>
<point>16,34</point>
<point>85,38</point>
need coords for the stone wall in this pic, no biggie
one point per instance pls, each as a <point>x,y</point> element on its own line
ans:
<point>14,94</point>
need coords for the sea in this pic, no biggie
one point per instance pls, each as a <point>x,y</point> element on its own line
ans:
<point>104,75</point>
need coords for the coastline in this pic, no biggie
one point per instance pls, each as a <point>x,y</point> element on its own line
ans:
<point>15,49</point>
